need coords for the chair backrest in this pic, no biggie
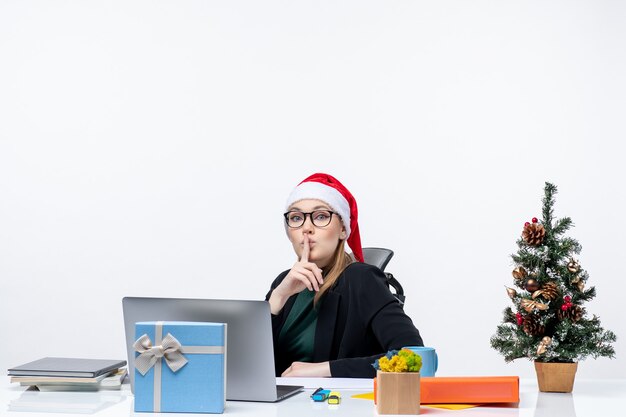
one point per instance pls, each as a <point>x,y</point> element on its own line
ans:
<point>380,257</point>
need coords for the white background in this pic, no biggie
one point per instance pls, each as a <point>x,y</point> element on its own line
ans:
<point>147,148</point>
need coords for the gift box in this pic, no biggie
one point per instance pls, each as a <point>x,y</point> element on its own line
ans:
<point>180,367</point>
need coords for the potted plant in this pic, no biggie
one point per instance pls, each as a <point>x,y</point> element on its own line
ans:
<point>549,323</point>
<point>397,385</point>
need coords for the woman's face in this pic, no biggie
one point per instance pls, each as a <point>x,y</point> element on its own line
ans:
<point>322,240</point>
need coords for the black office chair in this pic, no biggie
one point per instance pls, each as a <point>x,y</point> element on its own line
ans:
<point>380,257</point>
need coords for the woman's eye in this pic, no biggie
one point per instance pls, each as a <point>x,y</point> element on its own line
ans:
<point>295,218</point>
<point>321,216</point>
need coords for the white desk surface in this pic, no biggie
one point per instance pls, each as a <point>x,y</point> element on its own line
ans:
<point>591,398</point>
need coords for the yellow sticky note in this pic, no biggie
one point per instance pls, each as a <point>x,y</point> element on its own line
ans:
<point>370,396</point>
<point>452,406</point>
<point>364,396</point>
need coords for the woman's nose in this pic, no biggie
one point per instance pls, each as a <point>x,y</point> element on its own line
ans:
<point>307,226</point>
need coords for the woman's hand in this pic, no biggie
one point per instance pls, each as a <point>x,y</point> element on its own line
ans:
<point>306,369</point>
<point>303,274</point>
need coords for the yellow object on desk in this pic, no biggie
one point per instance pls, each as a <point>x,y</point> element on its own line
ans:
<point>452,406</point>
<point>334,397</point>
<point>364,396</point>
<point>370,396</point>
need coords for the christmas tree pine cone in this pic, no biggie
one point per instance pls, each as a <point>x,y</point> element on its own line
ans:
<point>533,234</point>
<point>397,392</point>
<point>556,377</point>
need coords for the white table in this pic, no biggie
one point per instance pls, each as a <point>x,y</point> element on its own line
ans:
<point>591,398</point>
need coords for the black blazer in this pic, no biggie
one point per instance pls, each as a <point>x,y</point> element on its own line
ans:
<point>358,321</point>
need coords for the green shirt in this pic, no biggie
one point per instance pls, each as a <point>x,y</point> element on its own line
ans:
<point>297,337</point>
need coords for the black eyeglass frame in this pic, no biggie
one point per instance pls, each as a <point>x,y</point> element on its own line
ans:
<point>310,214</point>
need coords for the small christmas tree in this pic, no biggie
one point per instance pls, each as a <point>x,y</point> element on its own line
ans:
<point>549,323</point>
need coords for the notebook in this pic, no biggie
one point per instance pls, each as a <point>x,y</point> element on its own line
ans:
<point>108,381</point>
<point>67,367</point>
<point>250,372</point>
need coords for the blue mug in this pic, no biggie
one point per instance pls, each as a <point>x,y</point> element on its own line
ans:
<point>430,361</point>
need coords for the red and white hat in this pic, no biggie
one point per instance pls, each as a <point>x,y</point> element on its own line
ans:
<point>328,189</point>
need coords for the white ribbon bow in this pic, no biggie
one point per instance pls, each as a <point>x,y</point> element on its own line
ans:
<point>169,349</point>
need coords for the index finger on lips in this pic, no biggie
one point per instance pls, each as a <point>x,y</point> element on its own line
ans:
<point>306,249</point>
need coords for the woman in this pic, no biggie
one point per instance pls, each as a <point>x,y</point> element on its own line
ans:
<point>331,316</point>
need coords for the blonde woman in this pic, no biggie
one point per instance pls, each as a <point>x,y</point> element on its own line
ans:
<point>332,315</point>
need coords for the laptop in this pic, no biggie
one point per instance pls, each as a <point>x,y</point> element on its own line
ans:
<point>250,373</point>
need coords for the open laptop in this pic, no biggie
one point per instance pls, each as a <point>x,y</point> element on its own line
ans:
<point>250,373</point>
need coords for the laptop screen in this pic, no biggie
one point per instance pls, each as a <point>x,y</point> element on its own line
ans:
<point>250,358</point>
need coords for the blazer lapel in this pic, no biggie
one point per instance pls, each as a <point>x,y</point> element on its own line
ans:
<point>325,328</point>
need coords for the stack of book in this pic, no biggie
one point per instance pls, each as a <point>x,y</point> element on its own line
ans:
<point>70,374</point>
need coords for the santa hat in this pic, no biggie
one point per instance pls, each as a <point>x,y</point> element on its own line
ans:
<point>328,189</point>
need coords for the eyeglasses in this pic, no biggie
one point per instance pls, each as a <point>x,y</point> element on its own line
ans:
<point>319,218</point>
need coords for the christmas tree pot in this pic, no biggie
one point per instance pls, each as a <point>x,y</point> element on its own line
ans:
<point>398,392</point>
<point>555,377</point>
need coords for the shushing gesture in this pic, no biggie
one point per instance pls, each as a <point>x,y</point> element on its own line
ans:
<point>303,274</point>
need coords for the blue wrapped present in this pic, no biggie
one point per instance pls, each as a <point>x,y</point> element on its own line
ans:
<point>180,367</point>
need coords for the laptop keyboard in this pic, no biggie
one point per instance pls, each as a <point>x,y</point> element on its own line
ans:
<point>286,390</point>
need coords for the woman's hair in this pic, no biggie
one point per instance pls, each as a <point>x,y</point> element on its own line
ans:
<point>334,269</point>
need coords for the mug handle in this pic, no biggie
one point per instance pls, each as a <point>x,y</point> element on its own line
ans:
<point>436,362</point>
